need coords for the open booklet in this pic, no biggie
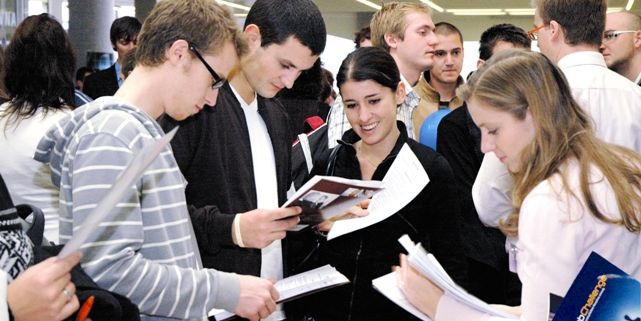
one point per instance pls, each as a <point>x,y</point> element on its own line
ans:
<point>299,285</point>
<point>601,292</point>
<point>324,197</point>
<point>427,264</point>
<point>123,183</point>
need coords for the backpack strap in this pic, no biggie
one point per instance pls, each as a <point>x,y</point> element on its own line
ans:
<point>35,224</point>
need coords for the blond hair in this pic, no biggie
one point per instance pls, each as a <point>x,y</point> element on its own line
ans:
<point>518,81</point>
<point>391,19</point>
<point>203,23</point>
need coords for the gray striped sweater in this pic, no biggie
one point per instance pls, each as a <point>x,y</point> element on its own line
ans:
<point>145,249</point>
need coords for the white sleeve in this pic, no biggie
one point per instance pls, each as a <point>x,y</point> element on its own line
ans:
<point>4,306</point>
<point>492,191</point>
<point>548,247</point>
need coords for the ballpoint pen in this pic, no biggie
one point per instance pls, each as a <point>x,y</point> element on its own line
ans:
<point>84,310</point>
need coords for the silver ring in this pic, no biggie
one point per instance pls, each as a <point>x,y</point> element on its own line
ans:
<point>67,293</point>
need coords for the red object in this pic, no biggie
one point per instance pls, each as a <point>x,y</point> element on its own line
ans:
<point>83,313</point>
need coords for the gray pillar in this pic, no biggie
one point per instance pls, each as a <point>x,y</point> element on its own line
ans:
<point>143,8</point>
<point>89,23</point>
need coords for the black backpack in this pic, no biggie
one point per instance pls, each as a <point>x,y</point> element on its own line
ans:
<point>107,305</point>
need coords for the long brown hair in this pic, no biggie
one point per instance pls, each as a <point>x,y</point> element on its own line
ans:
<point>516,81</point>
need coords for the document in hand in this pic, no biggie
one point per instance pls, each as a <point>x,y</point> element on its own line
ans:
<point>601,292</point>
<point>324,197</point>
<point>299,285</point>
<point>427,264</point>
<point>132,172</point>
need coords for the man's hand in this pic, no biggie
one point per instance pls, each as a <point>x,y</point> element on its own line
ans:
<point>261,227</point>
<point>257,298</point>
<point>355,211</point>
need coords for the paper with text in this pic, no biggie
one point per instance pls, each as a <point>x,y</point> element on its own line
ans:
<point>405,179</point>
<point>299,285</point>
<point>386,284</point>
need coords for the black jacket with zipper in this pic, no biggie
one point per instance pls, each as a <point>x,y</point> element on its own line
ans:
<point>432,218</point>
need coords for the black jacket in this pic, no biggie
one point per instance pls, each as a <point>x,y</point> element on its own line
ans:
<point>459,141</point>
<point>432,218</point>
<point>213,151</point>
<point>101,83</point>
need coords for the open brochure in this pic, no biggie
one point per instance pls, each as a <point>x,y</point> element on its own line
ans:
<point>405,179</point>
<point>427,264</point>
<point>299,285</point>
<point>324,197</point>
<point>122,185</point>
<point>601,292</point>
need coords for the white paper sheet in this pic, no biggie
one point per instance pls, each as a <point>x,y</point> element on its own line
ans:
<point>386,284</point>
<point>405,179</point>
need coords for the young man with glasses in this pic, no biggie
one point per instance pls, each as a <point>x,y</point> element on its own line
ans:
<point>621,45</point>
<point>123,34</point>
<point>613,102</point>
<point>236,154</point>
<point>145,249</point>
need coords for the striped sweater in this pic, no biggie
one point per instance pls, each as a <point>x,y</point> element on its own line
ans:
<point>145,249</point>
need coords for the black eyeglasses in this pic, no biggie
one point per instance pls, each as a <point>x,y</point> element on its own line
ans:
<point>218,81</point>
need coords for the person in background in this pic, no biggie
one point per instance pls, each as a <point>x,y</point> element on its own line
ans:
<point>437,87</point>
<point>80,98</point>
<point>612,101</point>
<point>621,44</point>
<point>145,248</point>
<point>81,74</point>
<point>39,70</point>
<point>459,141</point>
<point>406,31</point>
<point>573,193</point>
<point>328,94</point>
<point>123,36</point>
<point>370,84</point>
<point>363,37</point>
<point>303,100</point>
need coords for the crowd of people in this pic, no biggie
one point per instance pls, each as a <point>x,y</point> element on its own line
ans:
<point>536,163</point>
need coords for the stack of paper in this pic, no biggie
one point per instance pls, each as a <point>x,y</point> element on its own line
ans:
<point>428,265</point>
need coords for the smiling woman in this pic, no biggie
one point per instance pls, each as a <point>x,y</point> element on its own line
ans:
<point>370,85</point>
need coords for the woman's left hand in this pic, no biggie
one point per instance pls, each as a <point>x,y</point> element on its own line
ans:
<point>355,211</point>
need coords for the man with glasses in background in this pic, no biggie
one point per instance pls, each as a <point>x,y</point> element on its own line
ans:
<point>621,45</point>
<point>236,154</point>
<point>145,248</point>
<point>123,34</point>
<point>613,102</point>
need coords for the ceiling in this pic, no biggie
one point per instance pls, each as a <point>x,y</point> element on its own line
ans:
<point>344,17</point>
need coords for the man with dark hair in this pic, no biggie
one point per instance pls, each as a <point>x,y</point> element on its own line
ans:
<point>621,45</point>
<point>123,34</point>
<point>363,38</point>
<point>236,155</point>
<point>459,141</point>
<point>613,102</point>
<point>437,87</point>
<point>500,37</point>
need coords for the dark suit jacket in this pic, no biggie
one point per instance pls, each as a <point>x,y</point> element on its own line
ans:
<point>101,83</point>
<point>213,152</point>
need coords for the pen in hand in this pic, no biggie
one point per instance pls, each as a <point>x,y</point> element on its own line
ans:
<point>83,313</point>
